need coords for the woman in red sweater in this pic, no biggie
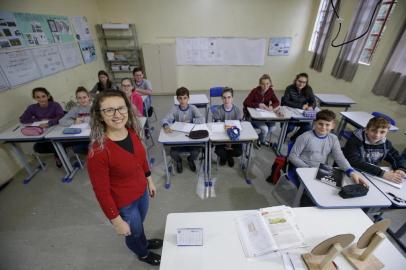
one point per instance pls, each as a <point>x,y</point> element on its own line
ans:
<point>262,97</point>
<point>119,171</point>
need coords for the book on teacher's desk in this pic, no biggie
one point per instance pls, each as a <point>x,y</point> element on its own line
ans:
<point>330,175</point>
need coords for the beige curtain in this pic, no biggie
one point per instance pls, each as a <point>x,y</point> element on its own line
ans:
<point>346,64</point>
<point>323,40</point>
<point>391,82</point>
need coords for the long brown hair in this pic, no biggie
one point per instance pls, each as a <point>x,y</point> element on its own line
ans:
<point>305,89</point>
<point>43,90</point>
<point>100,86</point>
<point>98,126</point>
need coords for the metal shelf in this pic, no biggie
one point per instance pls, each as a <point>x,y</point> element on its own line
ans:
<point>119,37</point>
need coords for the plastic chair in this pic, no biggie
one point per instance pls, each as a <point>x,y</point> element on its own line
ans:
<point>290,176</point>
<point>215,92</point>
<point>390,120</point>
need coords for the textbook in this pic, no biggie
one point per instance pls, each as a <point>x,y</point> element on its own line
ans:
<point>268,230</point>
<point>330,175</point>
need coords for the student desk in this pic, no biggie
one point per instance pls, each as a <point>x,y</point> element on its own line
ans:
<point>222,247</point>
<point>199,100</point>
<point>290,115</point>
<point>334,100</point>
<point>247,136</point>
<point>325,196</point>
<point>13,136</point>
<point>57,138</point>
<point>358,120</point>
<point>176,138</point>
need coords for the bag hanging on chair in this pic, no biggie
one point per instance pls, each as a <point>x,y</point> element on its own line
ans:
<point>278,166</point>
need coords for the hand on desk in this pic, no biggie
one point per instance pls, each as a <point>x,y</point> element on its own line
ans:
<point>44,125</point>
<point>394,176</point>
<point>79,120</point>
<point>167,129</point>
<point>262,106</point>
<point>357,178</point>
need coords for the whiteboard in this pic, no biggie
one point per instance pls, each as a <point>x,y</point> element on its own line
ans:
<point>220,51</point>
<point>70,55</point>
<point>19,67</point>
<point>48,60</point>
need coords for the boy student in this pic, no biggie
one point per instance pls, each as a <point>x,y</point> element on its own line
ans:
<point>227,111</point>
<point>81,112</point>
<point>183,113</point>
<point>264,98</point>
<point>144,88</point>
<point>366,148</point>
<point>314,147</point>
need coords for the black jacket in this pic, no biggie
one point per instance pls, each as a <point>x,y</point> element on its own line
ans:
<point>366,157</point>
<point>295,98</point>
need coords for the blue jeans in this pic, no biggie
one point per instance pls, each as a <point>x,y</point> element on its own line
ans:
<point>134,214</point>
<point>266,129</point>
<point>303,127</point>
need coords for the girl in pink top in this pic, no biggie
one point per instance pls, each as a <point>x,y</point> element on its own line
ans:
<point>133,96</point>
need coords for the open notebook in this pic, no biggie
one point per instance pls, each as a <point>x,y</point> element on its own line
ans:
<point>268,230</point>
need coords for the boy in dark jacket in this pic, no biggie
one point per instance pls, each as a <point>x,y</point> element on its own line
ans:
<point>366,148</point>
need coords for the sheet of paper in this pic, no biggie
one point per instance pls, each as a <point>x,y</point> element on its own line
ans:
<point>254,235</point>
<point>233,123</point>
<point>189,236</point>
<point>39,123</point>
<point>82,126</point>
<point>297,261</point>
<point>377,178</point>
<point>286,262</point>
<point>182,127</point>
<point>217,127</point>
<point>200,127</point>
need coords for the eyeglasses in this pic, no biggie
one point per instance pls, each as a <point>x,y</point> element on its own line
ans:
<point>299,81</point>
<point>112,111</point>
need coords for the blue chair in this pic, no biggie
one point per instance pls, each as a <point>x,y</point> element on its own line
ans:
<point>390,120</point>
<point>215,92</point>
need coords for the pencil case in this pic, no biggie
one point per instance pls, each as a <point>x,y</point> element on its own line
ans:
<point>32,131</point>
<point>72,131</point>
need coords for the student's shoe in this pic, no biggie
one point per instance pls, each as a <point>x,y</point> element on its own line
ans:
<point>257,144</point>
<point>230,162</point>
<point>152,258</point>
<point>267,144</point>
<point>222,162</point>
<point>179,168</point>
<point>154,243</point>
<point>58,162</point>
<point>192,164</point>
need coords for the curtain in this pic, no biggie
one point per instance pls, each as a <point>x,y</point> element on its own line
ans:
<point>323,39</point>
<point>391,82</point>
<point>346,64</point>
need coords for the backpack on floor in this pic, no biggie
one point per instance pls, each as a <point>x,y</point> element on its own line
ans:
<point>278,166</point>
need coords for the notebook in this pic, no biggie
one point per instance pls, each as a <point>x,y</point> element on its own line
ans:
<point>330,175</point>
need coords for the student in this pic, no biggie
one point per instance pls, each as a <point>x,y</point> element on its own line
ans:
<point>315,146</point>
<point>81,112</point>
<point>44,109</point>
<point>183,113</point>
<point>299,95</point>
<point>262,97</point>
<point>133,96</point>
<point>119,172</point>
<point>144,88</point>
<point>227,111</point>
<point>367,148</point>
<point>103,84</point>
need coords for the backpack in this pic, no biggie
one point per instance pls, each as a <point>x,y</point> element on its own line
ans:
<point>278,166</point>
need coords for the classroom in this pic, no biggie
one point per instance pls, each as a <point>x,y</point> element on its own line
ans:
<point>171,67</point>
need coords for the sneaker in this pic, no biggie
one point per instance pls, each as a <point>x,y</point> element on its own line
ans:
<point>267,144</point>
<point>230,162</point>
<point>192,164</point>
<point>258,144</point>
<point>154,243</point>
<point>152,258</point>
<point>179,168</point>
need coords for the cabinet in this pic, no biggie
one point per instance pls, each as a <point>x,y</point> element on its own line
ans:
<point>120,49</point>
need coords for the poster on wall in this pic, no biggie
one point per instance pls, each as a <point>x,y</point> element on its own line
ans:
<point>60,28</point>
<point>19,67</point>
<point>81,27</point>
<point>279,46</point>
<point>70,55</point>
<point>10,35</point>
<point>48,60</point>
<point>34,28</point>
<point>4,85</point>
<point>88,51</point>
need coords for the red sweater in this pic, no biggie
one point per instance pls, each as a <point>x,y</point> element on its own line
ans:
<point>118,177</point>
<point>255,97</point>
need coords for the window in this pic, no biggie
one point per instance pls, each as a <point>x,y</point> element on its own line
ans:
<point>378,27</point>
<point>321,14</point>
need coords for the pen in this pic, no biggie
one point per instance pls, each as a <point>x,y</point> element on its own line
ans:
<point>16,128</point>
<point>335,265</point>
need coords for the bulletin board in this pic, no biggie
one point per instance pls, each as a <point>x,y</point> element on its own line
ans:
<point>220,51</point>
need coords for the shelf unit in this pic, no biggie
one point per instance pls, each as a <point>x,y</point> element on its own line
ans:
<point>119,41</point>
